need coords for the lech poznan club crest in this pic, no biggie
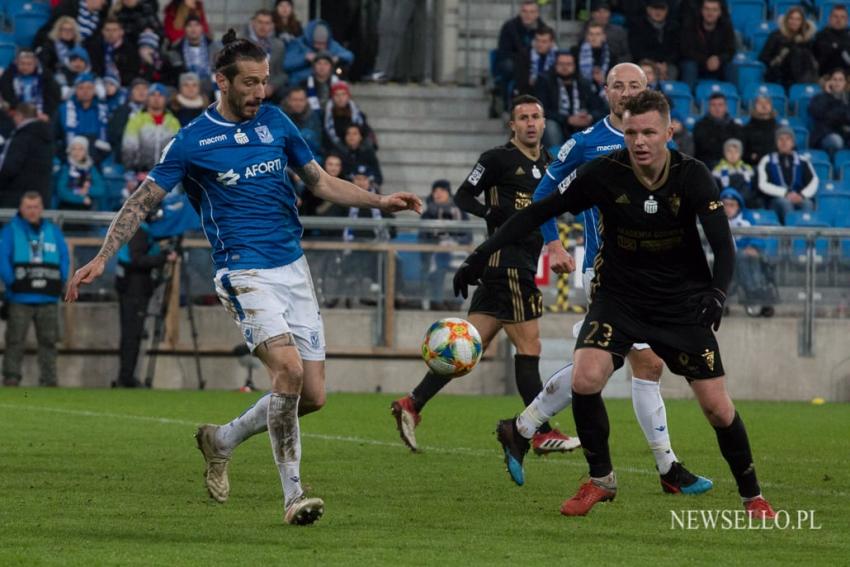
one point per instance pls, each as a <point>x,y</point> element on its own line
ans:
<point>650,206</point>
<point>241,137</point>
<point>265,134</point>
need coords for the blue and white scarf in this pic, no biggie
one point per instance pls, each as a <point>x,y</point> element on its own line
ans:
<point>536,69</point>
<point>568,103</point>
<point>87,20</point>
<point>585,60</point>
<point>28,89</point>
<point>777,176</point>
<point>196,58</point>
<point>356,118</point>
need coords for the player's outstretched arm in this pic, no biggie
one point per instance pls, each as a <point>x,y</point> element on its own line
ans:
<point>347,194</point>
<point>136,208</point>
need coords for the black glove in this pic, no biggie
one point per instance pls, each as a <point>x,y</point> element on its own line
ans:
<point>496,216</point>
<point>710,307</point>
<point>469,273</point>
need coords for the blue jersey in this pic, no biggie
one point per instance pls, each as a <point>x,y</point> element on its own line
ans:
<point>598,140</point>
<point>235,177</point>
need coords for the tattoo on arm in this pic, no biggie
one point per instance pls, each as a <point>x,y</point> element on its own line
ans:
<point>138,206</point>
<point>310,174</point>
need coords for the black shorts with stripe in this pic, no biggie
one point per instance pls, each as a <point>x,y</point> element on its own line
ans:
<point>686,347</point>
<point>508,294</point>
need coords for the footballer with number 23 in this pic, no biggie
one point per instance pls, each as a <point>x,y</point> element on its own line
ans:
<point>652,284</point>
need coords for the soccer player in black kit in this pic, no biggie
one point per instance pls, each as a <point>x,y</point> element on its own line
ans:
<point>652,285</point>
<point>508,297</point>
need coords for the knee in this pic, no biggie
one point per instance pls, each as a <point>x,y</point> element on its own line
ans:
<point>530,348</point>
<point>311,403</point>
<point>288,373</point>
<point>719,413</point>
<point>650,369</point>
<point>588,381</point>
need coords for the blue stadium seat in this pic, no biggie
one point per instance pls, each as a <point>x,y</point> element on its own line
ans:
<point>825,7</point>
<point>841,158</point>
<point>707,88</point>
<point>747,72</point>
<point>757,35</point>
<point>821,163</point>
<point>7,54</point>
<point>680,94</point>
<point>6,37</point>
<point>799,98</point>
<point>765,217</point>
<point>746,13</point>
<point>27,25</point>
<point>690,121</point>
<point>801,132</point>
<point>774,91</point>
<point>834,208</point>
<point>13,7</point>
<point>779,7</point>
<point>833,187</point>
<point>844,171</point>
<point>798,245</point>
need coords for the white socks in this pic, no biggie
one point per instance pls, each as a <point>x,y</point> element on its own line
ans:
<point>252,421</point>
<point>556,395</point>
<point>652,417</point>
<point>285,436</point>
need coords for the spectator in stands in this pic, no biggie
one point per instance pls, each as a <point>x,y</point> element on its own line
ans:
<point>616,36</point>
<point>400,32</point>
<point>656,37</point>
<point>759,134</point>
<point>136,16</point>
<point>594,57</point>
<point>189,101</point>
<point>148,131</point>
<point>34,268</point>
<point>83,115</point>
<point>286,24</point>
<point>708,45</point>
<point>341,112</point>
<point>137,97</point>
<point>76,63</point>
<point>832,44</point>
<point>650,69</point>
<point>176,14</point>
<point>112,53</point>
<point>753,274</point>
<point>25,81</point>
<point>788,51</point>
<point>114,96</point>
<point>516,37</point>
<point>79,184</point>
<point>732,172</point>
<point>153,67</point>
<point>830,114</point>
<point>787,178</point>
<point>89,15</point>
<point>568,100</point>
<point>195,53</point>
<point>355,151</point>
<point>260,30</point>
<point>318,84</point>
<point>535,63</point>
<point>26,163</point>
<point>713,129</point>
<point>308,121</point>
<point>682,137</point>
<point>301,53</point>
<point>56,45</point>
<point>436,266</point>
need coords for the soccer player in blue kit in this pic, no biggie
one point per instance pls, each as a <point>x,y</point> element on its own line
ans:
<point>623,82</point>
<point>232,162</point>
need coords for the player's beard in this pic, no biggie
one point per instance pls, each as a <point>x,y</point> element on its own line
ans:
<point>239,106</point>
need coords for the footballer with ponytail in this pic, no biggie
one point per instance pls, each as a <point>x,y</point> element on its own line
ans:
<point>241,72</point>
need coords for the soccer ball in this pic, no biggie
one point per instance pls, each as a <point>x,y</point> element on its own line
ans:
<point>452,347</point>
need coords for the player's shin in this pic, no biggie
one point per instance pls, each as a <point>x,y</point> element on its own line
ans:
<point>552,399</point>
<point>593,428</point>
<point>252,421</point>
<point>652,417</point>
<point>430,385</point>
<point>286,442</point>
<point>527,376</point>
<point>735,447</point>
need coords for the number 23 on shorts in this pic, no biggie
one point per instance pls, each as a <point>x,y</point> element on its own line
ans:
<point>598,334</point>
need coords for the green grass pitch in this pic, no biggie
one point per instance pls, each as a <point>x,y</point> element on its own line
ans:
<point>99,477</point>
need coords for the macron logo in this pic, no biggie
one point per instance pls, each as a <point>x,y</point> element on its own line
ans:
<point>229,178</point>
<point>213,140</point>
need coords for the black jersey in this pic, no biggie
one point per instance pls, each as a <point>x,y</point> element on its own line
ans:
<point>507,177</point>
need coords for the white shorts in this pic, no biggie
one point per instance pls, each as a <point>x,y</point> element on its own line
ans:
<point>271,302</point>
<point>586,278</point>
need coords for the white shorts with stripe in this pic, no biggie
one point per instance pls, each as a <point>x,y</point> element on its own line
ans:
<point>267,303</point>
<point>586,278</point>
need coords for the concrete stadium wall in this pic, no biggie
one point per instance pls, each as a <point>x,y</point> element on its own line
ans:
<point>760,356</point>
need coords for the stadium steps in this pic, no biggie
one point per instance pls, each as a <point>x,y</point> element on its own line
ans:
<point>223,14</point>
<point>428,132</point>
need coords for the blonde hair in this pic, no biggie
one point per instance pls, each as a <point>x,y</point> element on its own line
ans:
<point>61,21</point>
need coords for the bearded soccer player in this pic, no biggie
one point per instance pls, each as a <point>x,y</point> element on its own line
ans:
<point>232,162</point>
<point>508,298</point>
<point>652,284</point>
<point>624,82</point>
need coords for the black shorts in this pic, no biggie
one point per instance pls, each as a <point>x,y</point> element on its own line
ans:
<point>508,294</point>
<point>687,348</point>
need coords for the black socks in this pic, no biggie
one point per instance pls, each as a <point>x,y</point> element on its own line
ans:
<point>592,428</point>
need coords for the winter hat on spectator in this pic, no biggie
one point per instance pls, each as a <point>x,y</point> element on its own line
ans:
<point>189,77</point>
<point>733,142</point>
<point>321,33</point>
<point>192,17</point>
<point>158,88</point>
<point>324,55</point>
<point>81,140</point>
<point>784,130</point>
<point>658,4</point>
<point>600,5</point>
<point>79,53</point>
<point>340,86</point>
<point>138,81</point>
<point>84,78</point>
<point>442,184</point>
<point>364,170</point>
<point>112,80</point>
<point>149,38</point>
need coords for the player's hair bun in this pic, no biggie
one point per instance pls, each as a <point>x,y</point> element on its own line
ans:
<point>229,37</point>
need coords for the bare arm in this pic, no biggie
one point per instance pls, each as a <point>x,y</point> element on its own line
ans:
<point>347,194</point>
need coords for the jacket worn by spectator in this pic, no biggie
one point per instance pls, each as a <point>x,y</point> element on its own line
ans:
<point>125,57</point>
<point>780,174</point>
<point>39,89</point>
<point>830,114</point>
<point>33,261</point>
<point>737,176</point>
<point>515,38</point>
<point>144,15</point>
<point>145,137</point>
<point>656,43</point>
<point>698,44</point>
<point>200,59</point>
<point>562,97</point>
<point>309,123</point>
<point>72,177</point>
<point>295,63</point>
<point>832,49</point>
<point>759,138</point>
<point>789,59</point>
<point>74,119</point>
<point>89,22</point>
<point>709,135</point>
<point>27,163</point>
<point>175,19</point>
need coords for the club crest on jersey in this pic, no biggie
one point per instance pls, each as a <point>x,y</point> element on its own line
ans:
<point>241,138</point>
<point>265,134</point>
<point>650,206</point>
<point>708,356</point>
<point>675,203</point>
<point>536,173</point>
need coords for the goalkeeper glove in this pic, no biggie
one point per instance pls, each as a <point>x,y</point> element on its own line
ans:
<point>710,307</point>
<point>469,273</point>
